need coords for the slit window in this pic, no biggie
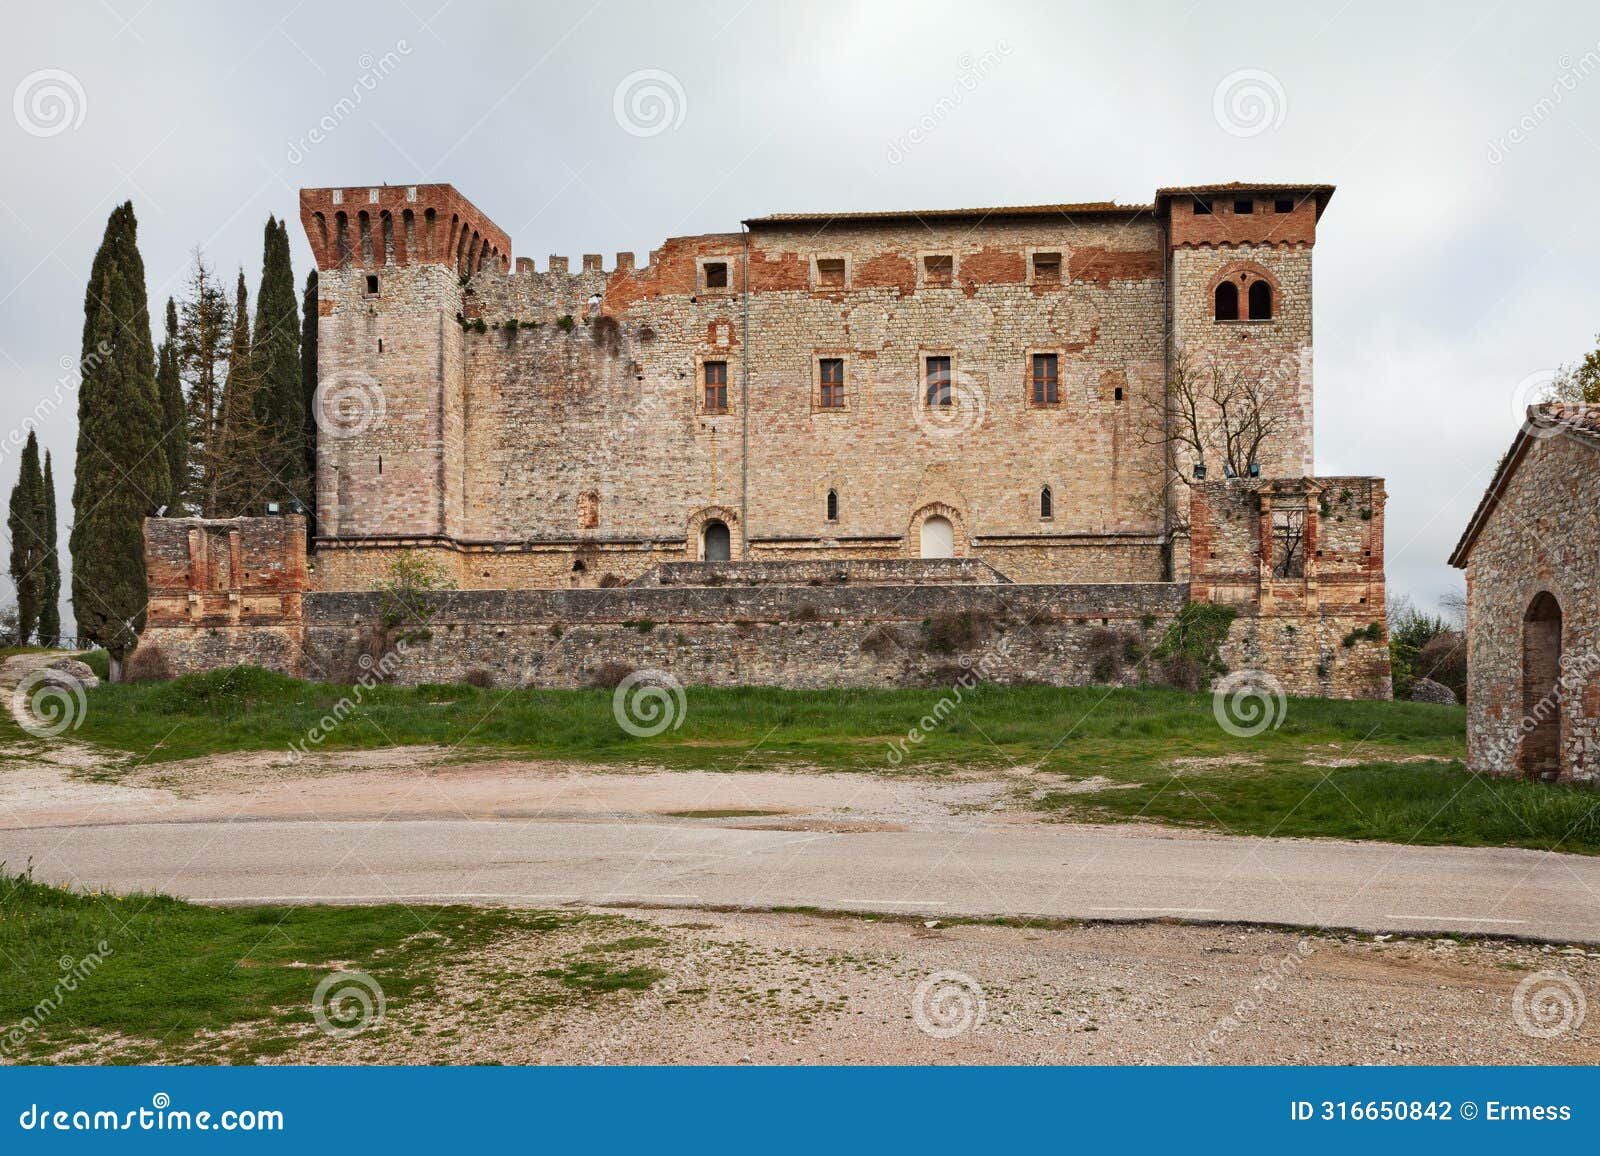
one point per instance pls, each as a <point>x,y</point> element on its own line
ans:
<point>938,269</point>
<point>1047,268</point>
<point>937,378</point>
<point>716,274</point>
<point>1227,301</point>
<point>1047,504</point>
<point>1046,379</point>
<point>716,386</point>
<point>830,272</point>
<point>831,370</point>
<point>833,505</point>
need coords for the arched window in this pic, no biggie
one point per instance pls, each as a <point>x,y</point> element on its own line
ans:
<point>1227,301</point>
<point>1047,503</point>
<point>716,542</point>
<point>1541,756</point>
<point>1260,300</point>
<point>938,538</point>
<point>833,505</point>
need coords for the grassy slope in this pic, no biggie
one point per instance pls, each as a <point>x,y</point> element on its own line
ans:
<point>175,969</point>
<point>1261,785</point>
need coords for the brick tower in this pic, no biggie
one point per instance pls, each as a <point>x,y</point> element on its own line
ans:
<point>392,262</point>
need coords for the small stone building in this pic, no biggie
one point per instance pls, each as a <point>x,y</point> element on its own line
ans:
<point>1532,557</point>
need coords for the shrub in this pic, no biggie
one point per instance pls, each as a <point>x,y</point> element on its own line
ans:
<point>1444,660</point>
<point>1110,652</point>
<point>1188,653</point>
<point>479,676</point>
<point>609,675</point>
<point>147,664</point>
<point>881,641</point>
<point>565,323</point>
<point>947,632</point>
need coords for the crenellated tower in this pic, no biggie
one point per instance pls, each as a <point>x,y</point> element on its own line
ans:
<point>393,261</point>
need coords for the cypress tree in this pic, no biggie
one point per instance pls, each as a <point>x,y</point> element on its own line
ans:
<point>243,480</point>
<point>308,394</point>
<point>50,609</point>
<point>174,421</point>
<point>204,320</point>
<point>275,348</point>
<point>121,474</point>
<point>23,523</point>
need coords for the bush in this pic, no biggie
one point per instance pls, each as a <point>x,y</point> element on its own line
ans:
<point>1188,654</point>
<point>1444,660</point>
<point>881,641</point>
<point>609,675</point>
<point>1110,652</point>
<point>481,677</point>
<point>147,664</point>
<point>948,633</point>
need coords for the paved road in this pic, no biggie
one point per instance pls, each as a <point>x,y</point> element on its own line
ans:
<point>981,870</point>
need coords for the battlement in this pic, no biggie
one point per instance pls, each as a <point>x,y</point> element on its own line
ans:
<point>372,226</point>
<point>1218,216</point>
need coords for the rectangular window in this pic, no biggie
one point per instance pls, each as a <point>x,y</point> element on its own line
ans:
<point>1202,206</point>
<point>1288,544</point>
<point>938,270</point>
<point>1047,268</point>
<point>716,376</point>
<point>1046,383</point>
<point>1283,205</point>
<point>832,375</point>
<point>716,273</point>
<point>830,272</point>
<point>1243,208</point>
<point>938,381</point>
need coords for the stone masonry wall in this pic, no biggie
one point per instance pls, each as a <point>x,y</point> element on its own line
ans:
<point>1542,536</point>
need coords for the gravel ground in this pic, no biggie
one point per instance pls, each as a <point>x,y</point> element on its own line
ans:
<point>775,988</point>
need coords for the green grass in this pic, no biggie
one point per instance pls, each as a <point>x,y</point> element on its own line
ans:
<point>174,969</point>
<point>1407,783</point>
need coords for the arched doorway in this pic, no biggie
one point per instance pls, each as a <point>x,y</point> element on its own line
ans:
<point>1541,692</point>
<point>938,538</point>
<point>716,542</point>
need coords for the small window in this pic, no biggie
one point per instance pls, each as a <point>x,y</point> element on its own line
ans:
<point>716,385</point>
<point>1243,208</point>
<point>1047,268</point>
<point>1227,301</point>
<point>716,274</point>
<point>380,345</point>
<point>1047,504</point>
<point>830,272</point>
<point>938,381</point>
<point>831,370</point>
<point>1283,205</point>
<point>938,270</point>
<point>833,505</point>
<point>1118,394</point>
<point>1288,544</point>
<point>1260,300</point>
<point>1202,206</point>
<point>372,284</point>
<point>1046,381</point>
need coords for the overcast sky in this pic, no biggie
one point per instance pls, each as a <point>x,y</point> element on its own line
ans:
<point>1454,267</point>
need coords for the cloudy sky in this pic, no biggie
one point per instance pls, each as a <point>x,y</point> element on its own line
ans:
<point>1454,267</point>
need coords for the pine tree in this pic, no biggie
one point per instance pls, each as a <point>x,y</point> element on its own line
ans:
<point>121,474</point>
<point>24,524</point>
<point>174,425</point>
<point>204,321</point>
<point>308,393</point>
<point>50,608</point>
<point>244,483</point>
<point>275,349</point>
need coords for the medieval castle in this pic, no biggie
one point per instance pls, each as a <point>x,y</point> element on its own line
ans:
<point>777,455</point>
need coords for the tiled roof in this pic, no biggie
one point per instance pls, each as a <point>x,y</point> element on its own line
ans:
<point>1083,208</point>
<point>1549,419</point>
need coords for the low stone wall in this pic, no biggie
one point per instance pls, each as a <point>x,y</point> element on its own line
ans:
<point>825,572</point>
<point>765,636</point>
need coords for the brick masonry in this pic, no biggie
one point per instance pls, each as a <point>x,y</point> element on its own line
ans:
<point>1536,533</point>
